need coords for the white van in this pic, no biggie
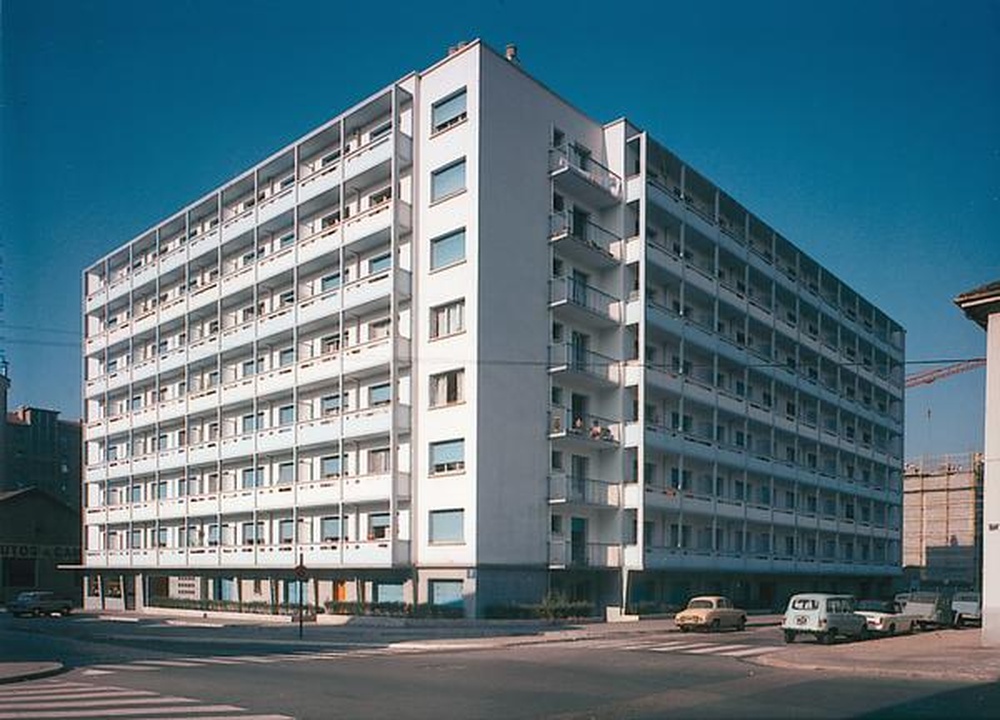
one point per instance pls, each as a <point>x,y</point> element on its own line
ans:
<point>823,616</point>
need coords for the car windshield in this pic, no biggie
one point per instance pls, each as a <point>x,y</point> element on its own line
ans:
<point>700,605</point>
<point>967,597</point>
<point>26,596</point>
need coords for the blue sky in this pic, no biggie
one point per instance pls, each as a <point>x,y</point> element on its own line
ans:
<point>868,133</point>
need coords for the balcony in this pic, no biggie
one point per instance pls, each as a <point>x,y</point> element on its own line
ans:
<point>583,241</point>
<point>583,430</point>
<point>368,156</point>
<point>580,302</point>
<point>575,490</point>
<point>583,367</point>
<point>565,553</point>
<point>578,174</point>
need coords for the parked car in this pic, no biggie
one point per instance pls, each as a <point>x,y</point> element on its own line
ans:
<point>824,616</point>
<point>929,609</point>
<point>966,608</point>
<point>885,617</point>
<point>39,602</point>
<point>710,612</point>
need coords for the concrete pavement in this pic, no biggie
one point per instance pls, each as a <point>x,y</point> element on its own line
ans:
<point>941,655</point>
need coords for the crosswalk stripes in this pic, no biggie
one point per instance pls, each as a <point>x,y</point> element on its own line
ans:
<point>52,699</point>
<point>686,646</point>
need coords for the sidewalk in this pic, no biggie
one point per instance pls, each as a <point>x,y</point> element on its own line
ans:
<point>16,672</point>
<point>938,655</point>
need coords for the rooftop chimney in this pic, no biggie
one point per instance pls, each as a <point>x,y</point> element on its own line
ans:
<point>511,53</point>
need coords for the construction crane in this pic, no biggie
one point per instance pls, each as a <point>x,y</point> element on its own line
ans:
<point>926,377</point>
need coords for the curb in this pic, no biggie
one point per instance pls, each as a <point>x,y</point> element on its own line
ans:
<point>48,670</point>
<point>774,660</point>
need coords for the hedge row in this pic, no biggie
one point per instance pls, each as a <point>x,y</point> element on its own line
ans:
<point>257,607</point>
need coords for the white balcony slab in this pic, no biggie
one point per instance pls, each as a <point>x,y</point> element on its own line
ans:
<point>144,465</point>
<point>238,501</point>
<point>320,244</point>
<point>171,557</point>
<point>96,472</point>
<point>365,357</point>
<point>319,307</point>
<point>237,336</point>
<point>172,459</point>
<point>367,423</point>
<point>366,488</point>
<point>371,222</point>
<point>276,381</point>
<point>319,182</point>
<point>95,429</point>
<point>237,557</point>
<point>204,348</point>
<point>276,497</point>
<point>318,432</point>
<point>368,554</point>
<point>143,511</point>
<point>238,391</point>
<point>204,453</point>
<point>173,360</point>
<point>173,310</point>
<point>144,370</point>
<point>173,409</point>
<point>273,206</point>
<point>119,288</point>
<point>368,156</point>
<point>143,417</point>
<point>367,290</point>
<point>172,260</point>
<point>173,508</point>
<point>97,386</point>
<point>318,369</point>
<point>276,322</point>
<point>119,558</point>
<point>234,447</point>
<point>321,555</point>
<point>119,514</point>
<point>96,299</point>
<point>120,379</point>
<point>275,264</point>
<point>95,343</point>
<point>120,333</point>
<point>318,493</point>
<point>145,274</point>
<point>146,321</point>
<point>236,226</point>
<point>119,469</point>
<point>203,297</point>
<point>203,505</point>
<point>201,244</point>
<point>279,556</point>
<point>274,440</point>
<point>238,280</point>
<point>203,557</point>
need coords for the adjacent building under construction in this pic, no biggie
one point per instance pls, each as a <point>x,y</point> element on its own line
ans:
<point>943,520</point>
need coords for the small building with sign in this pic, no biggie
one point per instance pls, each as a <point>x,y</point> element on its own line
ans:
<point>37,534</point>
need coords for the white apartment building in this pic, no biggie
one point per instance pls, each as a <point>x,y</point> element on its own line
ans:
<point>464,346</point>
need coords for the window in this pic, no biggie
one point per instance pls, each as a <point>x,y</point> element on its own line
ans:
<point>330,529</point>
<point>447,593</point>
<point>251,423</point>
<point>286,298</point>
<point>379,263</point>
<point>447,456</point>
<point>286,415</point>
<point>330,466</point>
<point>161,537</point>
<point>253,477</point>
<point>286,532</point>
<point>378,461</point>
<point>446,526</point>
<point>135,541</point>
<point>448,319</point>
<point>447,388</point>
<point>329,282</point>
<point>161,490</point>
<point>330,343</point>
<point>379,395</point>
<point>249,368</point>
<point>386,592</point>
<point>449,111</point>
<point>286,240</point>
<point>379,329</point>
<point>448,249</point>
<point>253,533</point>
<point>448,181</point>
<point>380,131</point>
<point>329,405</point>
<point>213,535</point>
<point>286,356</point>
<point>378,526</point>
<point>136,493</point>
<point>286,473</point>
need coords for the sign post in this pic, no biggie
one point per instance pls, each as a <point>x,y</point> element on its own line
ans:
<point>300,575</point>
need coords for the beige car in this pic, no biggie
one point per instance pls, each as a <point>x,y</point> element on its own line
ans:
<point>710,612</point>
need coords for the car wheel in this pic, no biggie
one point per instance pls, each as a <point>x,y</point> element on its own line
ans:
<point>37,613</point>
<point>827,637</point>
<point>716,625</point>
<point>789,636</point>
<point>863,634</point>
<point>741,624</point>
<point>892,628</point>
<point>685,628</point>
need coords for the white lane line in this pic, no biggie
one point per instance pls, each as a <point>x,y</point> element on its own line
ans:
<point>103,702</point>
<point>213,661</point>
<point>669,645</point>
<point>166,663</point>
<point>716,649</point>
<point>96,672</point>
<point>680,647</point>
<point>753,651</point>
<point>78,695</point>
<point>229,717</point>
<point>44,688</point>
<point>647,644</point>
<point>131,668</point>
<point>119,712</point>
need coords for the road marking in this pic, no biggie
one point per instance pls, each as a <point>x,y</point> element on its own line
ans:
<point>716,649</point>
<point>678,646</point>
<point>82,694</point>
<point>113,668</point>
<point>166,663</point>
<point>754,651</point>
<point>102,702</point>
<point>98,672</point>
<point>118,712</point>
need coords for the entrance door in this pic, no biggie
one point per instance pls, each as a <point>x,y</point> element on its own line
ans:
<point>129,592</point>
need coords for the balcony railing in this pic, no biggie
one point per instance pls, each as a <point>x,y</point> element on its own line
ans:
<point>564,552</point>
<point>564,422</point>
<point>585,231</point>
<point>583,295</point>
<point>569,156</point>
<point>583,490</point>
<point>573,357</point>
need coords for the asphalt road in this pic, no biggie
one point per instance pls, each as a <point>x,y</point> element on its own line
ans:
<point>163,671</point>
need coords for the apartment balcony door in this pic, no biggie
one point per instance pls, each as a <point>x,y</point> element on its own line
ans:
<point>579,282</point>
<point>578,541</point>
<point>579,467</point>
<point>578,223</point>
<point>579,349</point>
<point>578,409</point>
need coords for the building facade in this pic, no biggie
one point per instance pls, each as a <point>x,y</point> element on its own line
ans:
<point>982,306</point>
<point>463,345</point>
<point>943,521</point>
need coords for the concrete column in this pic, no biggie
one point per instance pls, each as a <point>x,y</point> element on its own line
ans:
<point>991,488</point>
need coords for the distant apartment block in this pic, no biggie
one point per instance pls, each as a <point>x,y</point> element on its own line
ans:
<point>943,520</point>
<point>463,345</point>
